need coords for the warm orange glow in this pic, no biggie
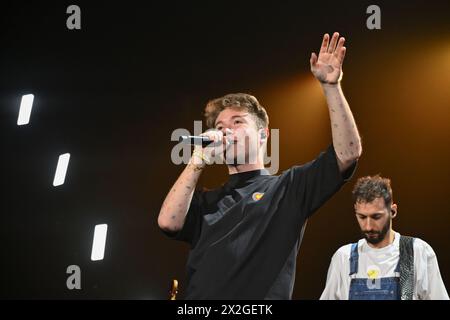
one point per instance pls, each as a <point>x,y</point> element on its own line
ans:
<point>297,107</point>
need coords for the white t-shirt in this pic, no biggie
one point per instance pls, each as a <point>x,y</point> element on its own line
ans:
<point>381,263</point>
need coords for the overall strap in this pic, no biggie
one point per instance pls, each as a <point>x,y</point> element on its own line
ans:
<point>406,267</point>
<point>354,259</point>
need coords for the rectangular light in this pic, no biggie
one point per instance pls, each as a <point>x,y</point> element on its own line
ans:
<point>61,169</point>
<point>25,109</point>
<point>98,245</point>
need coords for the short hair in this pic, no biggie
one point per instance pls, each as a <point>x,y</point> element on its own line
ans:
<point>236,100</point>
<point>368,188</point>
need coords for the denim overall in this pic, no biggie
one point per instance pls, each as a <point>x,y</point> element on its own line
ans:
<point>390,288</point>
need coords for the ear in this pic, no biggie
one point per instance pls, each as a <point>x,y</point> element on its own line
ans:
<point>264,134</point>
<point>394,210</point>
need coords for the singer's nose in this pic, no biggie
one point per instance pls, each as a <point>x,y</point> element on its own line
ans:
<point>227,135</point>
<point>227,131</point>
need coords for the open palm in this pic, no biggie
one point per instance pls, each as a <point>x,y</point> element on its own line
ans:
<point>327,68</point>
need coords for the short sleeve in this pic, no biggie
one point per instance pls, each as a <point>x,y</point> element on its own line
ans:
<point>430,285</point>
<point>313,183</point>
<point>333,280</point>
<point>337,285</point>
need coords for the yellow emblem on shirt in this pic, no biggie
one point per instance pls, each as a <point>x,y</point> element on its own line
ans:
<point>257,196</point>
<point>373,274</point>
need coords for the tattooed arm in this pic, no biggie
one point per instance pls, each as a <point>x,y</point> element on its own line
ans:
<point>327,68</point>
<point>176,205</point>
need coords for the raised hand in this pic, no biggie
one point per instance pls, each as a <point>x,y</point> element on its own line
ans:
<point>327,67</point>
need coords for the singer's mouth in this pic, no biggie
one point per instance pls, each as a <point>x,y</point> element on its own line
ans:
<point>371,234</point>
<point>231,141</point>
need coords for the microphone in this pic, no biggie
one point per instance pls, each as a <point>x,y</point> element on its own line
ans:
<point>196,140</point>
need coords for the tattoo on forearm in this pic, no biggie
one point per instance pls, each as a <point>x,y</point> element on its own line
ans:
<point>195,167</point>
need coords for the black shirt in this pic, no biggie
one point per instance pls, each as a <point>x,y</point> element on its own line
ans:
<point>246,234</point>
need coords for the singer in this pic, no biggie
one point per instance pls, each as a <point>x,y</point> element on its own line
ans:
<point>245,235</point>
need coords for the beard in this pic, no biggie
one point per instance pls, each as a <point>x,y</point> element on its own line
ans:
<point>375,237</point>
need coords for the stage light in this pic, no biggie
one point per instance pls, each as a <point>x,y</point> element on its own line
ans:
<point>98,244</point>
<point>25,109</point>
<point>61,169</point>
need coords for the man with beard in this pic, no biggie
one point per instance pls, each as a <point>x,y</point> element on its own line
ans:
<point>384,265</point>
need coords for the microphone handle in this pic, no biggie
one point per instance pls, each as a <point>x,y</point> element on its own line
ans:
<point>196,140</point>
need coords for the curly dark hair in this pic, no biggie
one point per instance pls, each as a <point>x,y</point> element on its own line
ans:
<point>236,100</point>
<point>369,188</point>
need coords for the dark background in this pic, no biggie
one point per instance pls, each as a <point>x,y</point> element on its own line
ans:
<point>111,94</point>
